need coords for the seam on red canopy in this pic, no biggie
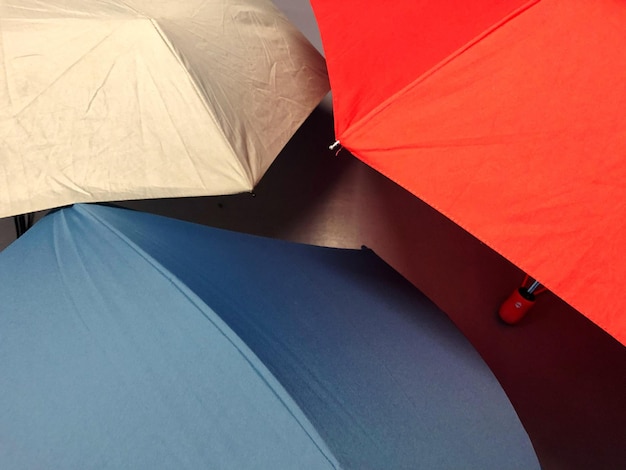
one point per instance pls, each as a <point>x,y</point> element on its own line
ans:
<point>357,124</point>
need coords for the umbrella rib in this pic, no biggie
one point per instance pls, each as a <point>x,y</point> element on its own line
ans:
<point>201,96</point>
<point>415,83</point>
<point>65,72</point>
<point>180,137</point>
<point>247,354</point>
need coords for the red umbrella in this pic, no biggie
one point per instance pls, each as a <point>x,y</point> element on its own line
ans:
<point>505,115</point>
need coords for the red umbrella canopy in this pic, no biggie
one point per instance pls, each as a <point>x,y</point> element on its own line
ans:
<point>505,115</point>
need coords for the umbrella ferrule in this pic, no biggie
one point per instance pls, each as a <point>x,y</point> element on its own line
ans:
<point>334,145</point>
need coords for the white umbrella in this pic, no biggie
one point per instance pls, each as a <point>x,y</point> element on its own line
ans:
<point>104,100</point>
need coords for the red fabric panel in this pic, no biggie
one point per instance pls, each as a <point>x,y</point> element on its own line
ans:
<point>521,140</point>
<point>374,49</point>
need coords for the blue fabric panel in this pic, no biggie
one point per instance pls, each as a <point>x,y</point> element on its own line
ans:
<point>138,341</point>
<point>105,362</point>
<point>385,377</point>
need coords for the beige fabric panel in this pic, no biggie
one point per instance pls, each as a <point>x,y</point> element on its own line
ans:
<point>118,102</point>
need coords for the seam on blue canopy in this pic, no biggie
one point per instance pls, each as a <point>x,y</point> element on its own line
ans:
<point>205,310</point>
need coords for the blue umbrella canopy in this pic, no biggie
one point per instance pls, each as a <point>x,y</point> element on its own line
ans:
<point>129,340</point>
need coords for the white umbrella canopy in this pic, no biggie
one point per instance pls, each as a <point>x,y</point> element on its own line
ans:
<point>104,100</point>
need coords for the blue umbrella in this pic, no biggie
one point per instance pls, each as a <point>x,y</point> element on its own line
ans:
<point>129,340</point>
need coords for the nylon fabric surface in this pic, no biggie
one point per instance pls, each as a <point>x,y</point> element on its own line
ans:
<point>108,363</point>
<point>117,100</point>
<point>518,138</point>
<point>375,54</point>
<point>144,342</point>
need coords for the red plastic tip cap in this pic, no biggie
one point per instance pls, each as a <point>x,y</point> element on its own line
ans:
<point>516,306</point>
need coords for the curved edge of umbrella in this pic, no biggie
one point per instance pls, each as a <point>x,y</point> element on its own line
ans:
<point>327,357</point>
<point>378,320</point>
<point>160,95</point>
<point>91,382</point>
